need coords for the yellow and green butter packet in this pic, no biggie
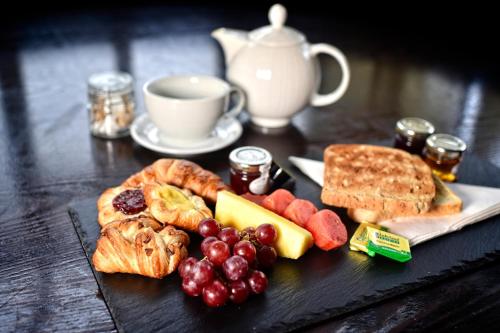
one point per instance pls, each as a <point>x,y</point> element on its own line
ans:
<point>359,241</point>
<point>387,244</point>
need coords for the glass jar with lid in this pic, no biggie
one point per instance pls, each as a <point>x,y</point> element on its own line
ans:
<point>411,134</point>
<point>443,153</point>
<point>250,168</point>
<point>111,104</point>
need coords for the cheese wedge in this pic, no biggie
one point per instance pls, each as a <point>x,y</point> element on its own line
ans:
<point>235,211</point>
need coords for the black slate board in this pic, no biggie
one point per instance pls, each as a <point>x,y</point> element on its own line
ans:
<point>318,286</point>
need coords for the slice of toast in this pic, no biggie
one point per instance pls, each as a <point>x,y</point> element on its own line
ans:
<point>386,180</point>
<point>444,203</point>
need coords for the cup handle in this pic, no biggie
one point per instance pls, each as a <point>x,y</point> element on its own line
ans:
<point>319,99</point>
<point>235,111</point>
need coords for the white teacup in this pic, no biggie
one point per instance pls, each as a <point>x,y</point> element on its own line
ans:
<point>186,109</point>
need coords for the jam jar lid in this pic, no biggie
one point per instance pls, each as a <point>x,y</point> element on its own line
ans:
<point>445,143</point>
<point>249,158</point>
<point>413,126</point>
<point>107,83</point>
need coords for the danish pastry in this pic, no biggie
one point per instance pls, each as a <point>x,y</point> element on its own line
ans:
<point>136,246</point>
<point>172,205</point>
<point>118,203</point>
<point>181,173</point>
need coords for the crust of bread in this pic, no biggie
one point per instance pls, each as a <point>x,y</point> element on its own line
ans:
<point>376,178</point>
<point>444,203</point>
<point>136,246</point>
<point>187,219</point>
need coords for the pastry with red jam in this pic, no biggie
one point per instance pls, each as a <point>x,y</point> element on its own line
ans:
<point>118,203</point>
<point>167,204</point>
<point>171,191</point>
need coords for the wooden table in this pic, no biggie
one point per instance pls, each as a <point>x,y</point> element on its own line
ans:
<point>48,158</point>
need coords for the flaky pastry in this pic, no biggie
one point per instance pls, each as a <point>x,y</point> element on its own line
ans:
<point>181,173</point>
<point>107,212</point>
<point>172,205</point>
<point>136,246</point>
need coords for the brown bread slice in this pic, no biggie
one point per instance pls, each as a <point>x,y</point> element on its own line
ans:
<point>377,178</point>
<point>445,202</point>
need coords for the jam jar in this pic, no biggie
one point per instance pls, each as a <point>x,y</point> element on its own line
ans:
<point>411,134</point>
<point>443,153</point>
<point>250,170</point>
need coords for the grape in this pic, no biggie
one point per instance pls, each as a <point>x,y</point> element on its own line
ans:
<point>186,266</point>
<point>208,227</point>
<point>205,243</point>
<point>254,265</point>
<point>229,235</point>
<point>202,273</point>
<point>266,234</point>
<point>257,282</point>
<point>218,252</point>
<point>235,268</point>
<point>266,256</point>
<point>190,287</point>
<point>245,249</point>
<point>215,294</point>
<point>238,291</point>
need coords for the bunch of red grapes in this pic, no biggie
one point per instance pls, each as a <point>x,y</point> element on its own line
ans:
<point>231,268</point>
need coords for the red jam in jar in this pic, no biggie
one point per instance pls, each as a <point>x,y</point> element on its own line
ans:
<point>250,170</point>
<point>411,134</point>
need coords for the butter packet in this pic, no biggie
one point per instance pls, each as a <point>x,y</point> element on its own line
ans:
<point>387,244</point>
<point>359,241</point>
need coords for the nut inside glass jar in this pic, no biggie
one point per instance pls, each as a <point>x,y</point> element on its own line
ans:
<point>111,104</point>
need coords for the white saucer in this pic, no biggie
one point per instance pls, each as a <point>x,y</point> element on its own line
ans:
<point>145,133</point>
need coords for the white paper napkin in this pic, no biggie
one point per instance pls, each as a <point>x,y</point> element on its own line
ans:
<point>479,203</point>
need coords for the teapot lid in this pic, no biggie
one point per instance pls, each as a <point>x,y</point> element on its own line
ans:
<point>277,34</point>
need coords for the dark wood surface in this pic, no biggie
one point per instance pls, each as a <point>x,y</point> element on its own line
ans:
<point>48,159</point>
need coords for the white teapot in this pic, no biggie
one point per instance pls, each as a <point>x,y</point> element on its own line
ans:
<point>277,69</point>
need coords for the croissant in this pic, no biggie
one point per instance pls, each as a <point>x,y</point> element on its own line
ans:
<point>181,173</point>
<point>172,205</point>
<point>107,212</point>
<point>134,246</point>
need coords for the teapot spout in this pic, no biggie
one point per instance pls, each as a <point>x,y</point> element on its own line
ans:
<point>231,41</point>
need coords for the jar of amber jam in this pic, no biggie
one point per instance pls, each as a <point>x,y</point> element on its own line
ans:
<point>250,170</point>
<point>411,134</point>
<point>443,153</point>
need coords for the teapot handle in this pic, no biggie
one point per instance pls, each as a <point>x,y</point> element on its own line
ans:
<point>319,99</point>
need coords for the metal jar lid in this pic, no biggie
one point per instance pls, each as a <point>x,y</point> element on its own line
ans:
<point>110,83</point>
<point>250,158</point>
<point>445,145</point>
<point>413,127</point>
